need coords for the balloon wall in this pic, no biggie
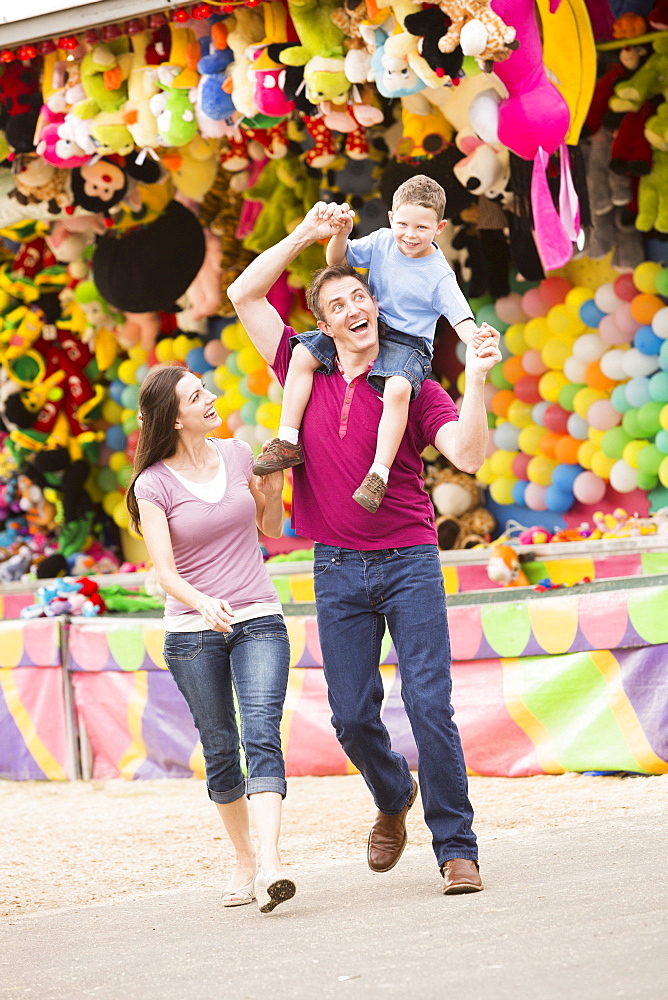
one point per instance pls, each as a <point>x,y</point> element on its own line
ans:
<point>579,404</point>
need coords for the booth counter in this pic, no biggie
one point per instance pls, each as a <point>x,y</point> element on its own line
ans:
<point>543,682</point>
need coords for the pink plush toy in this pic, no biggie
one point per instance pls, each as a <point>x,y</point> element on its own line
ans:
<point>60,151</point>
<point>532,122</point>
<point>534,115</point>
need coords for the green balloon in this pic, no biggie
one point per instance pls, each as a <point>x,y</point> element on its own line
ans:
<point>106,480</point>
<point>248,411</point>
<point>661,441</point>
<point>567,395</point>
<point>498,379</point>
<point>649,460</point>
<point>649,417</point>
<point>631,425</point>
<point>243,387</point>
<point>646,481</point>
<point>662,282</point>
<point>130,424</point>
<point>112,371</point>
<point>123,476</point>
<point>614,442</point>
<point>487,314</point>
<point>232,365</point>
<point>658,387</point>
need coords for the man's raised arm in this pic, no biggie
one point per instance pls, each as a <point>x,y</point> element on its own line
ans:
<point>464,441</point>
<point>248,293</point>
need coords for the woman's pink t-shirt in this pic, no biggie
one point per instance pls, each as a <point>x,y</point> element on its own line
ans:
<point>323,508</point>
<point>215,544</point>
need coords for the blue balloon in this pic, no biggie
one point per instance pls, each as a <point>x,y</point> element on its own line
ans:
<point>637,391</point>
<point>196,361</point>
<point>519,489</point>
<point>558,501</point>
<point>115,389</point>
<point>115,439</point>
<point>563,477</point>
<point>647,341</point>
<point>288,530</point>
<point>590,314</point>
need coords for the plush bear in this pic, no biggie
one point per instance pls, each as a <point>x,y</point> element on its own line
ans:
<point>462,520</point>
<point>38,181</point>
<point>651,79</point>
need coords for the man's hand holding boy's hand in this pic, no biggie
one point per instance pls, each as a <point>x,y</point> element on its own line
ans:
<point>482,353</point>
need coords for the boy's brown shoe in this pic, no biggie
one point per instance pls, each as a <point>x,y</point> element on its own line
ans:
<point>371,492</point>
<point>278,455</point>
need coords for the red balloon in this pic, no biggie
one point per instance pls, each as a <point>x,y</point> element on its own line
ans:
<point>520,465</point>
<point>526,389</point>
<point>131,444</point>
<point>554,290</point>
<point>555,419</point>
<point>624,287</point>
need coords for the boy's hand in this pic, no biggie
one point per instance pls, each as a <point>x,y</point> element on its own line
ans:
<point>344,218</point>
<point>481,340</point>
<point>321,222</point>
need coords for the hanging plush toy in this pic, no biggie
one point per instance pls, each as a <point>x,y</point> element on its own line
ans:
<point>101,185</point>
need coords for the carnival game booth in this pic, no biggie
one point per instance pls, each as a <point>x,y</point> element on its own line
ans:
<point>149,150</point>
<point>565,677</point>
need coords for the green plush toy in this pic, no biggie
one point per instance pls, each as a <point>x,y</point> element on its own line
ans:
<point>104,73</point>
<point>174,108</point>
<point>318,34</point>
<point>656,127</point>
<point>651,79</point>
<point>653,196</point>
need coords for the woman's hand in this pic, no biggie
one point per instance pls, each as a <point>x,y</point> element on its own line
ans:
<point>216,613</point>
<point>271,485</point>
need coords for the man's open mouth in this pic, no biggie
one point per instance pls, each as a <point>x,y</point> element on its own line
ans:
<point>360,326</point>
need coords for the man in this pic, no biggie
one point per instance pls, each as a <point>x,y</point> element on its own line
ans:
<point>385,569</point>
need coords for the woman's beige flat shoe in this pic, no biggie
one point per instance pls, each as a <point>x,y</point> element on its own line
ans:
<point>240,897</point>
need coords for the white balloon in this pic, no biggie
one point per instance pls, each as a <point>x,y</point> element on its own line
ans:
<point>623,478</point>
<point>574,370</point>
<point>538,412</point>
<point>506,436</point>
<point>636,363</point>
<point>209,383</point>
<point>612,364</point>
<point>578,428</point>
<point>606,299</point>
<point>274,391</point>
<point>660,323</point>
<point>460,351</point>
<point>246,433</point>
<point>589,347</point>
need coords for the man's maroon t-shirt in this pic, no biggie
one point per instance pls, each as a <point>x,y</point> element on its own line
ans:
<point>338,435</point>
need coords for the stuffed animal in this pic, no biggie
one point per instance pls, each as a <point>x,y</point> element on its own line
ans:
<point>100,186</point>
<point>38,181</point>
<point>430,25</point>
<point>20,101</point>
<point>246,30</point>
<point>462,520</point>
<point>174,108</point>
<point>653,196</point>
<point>504,567</point>
<point>214,106</point>
<point>651,79</point>
<point>104,73</point>
<point>478,30</point>
<point>136,111</point>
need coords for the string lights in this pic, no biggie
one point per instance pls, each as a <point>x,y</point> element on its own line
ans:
<point>69,43</point>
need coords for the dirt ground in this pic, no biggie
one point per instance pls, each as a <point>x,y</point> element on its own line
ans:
<point>65,845</point>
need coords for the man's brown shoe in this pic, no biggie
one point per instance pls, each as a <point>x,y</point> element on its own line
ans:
<point>371,492</point>
<point>278,455</point>
<point>388,837</point>
<point>461,875</point>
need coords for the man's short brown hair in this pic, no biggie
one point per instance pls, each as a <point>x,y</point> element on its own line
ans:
<point>329,274</point>
<point>421,190</point>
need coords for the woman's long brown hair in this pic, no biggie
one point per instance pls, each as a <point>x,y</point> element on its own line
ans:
<point>159,409</point>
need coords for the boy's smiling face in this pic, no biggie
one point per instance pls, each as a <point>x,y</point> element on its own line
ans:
<point>414,228</point>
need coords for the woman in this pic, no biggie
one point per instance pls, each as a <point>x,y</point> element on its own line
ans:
<point>198,507</point>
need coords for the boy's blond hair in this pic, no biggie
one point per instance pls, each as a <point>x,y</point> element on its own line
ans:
<point>421,190</point>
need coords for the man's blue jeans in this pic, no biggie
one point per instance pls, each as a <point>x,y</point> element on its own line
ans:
<point>356,594</point>
<point>254,659</point>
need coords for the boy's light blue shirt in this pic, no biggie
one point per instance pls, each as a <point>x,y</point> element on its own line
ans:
<point>411,292</point>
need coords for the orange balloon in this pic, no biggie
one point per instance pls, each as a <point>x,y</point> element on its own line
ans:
<point>566,450</point>
<point>512,368</point>
<point>501,401</point>
<point>595,378</point>
<point>548,443</point>
<point>644,306</point>
<point>258,381</point>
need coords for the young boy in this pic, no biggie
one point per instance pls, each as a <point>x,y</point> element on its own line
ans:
<point>413,285</point>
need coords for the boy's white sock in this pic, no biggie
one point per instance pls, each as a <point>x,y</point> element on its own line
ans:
<point>290,434</point>
<point>380,470</point>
